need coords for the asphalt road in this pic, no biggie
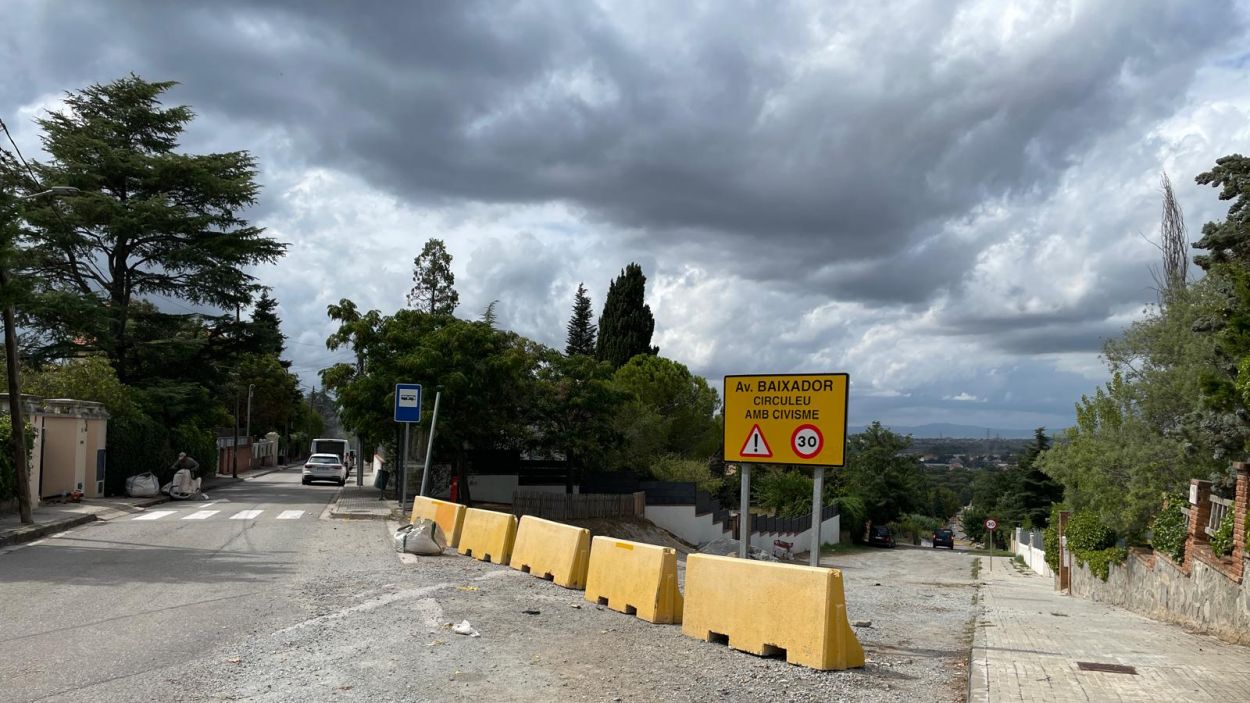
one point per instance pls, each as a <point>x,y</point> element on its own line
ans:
<point>257,596</point>
<point>116,610</point>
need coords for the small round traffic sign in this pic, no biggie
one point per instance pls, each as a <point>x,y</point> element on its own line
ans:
<point>807,441</point>
<point>991,524</point>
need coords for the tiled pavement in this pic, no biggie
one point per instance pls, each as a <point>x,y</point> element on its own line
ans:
<point>1029,638</point>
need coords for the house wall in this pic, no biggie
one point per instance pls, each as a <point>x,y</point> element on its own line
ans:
<point>682,521</point>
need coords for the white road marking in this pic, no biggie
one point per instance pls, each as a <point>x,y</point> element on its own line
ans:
<point>201,515</point>
<point>246,515</point>
<point>154,515</point>
<point>291,515</point>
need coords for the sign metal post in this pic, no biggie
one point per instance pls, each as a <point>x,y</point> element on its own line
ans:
<point>744,512</point>
<point>407,411</point>
<point>818,490</point>
<point>990,525</point>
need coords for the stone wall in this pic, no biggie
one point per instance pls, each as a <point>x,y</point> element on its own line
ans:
<point>1206,600</point>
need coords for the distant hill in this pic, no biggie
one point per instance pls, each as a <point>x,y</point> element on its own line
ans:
<point>946,429</point>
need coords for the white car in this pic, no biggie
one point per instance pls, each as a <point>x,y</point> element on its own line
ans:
<point>324,467</point>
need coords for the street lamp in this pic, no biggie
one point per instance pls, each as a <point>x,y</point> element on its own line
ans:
<point>18,434</point>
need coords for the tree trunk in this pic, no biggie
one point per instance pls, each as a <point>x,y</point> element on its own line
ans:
<point>462,472</point>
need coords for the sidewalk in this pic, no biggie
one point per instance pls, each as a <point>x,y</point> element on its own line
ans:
<point>51,518</point>
<point>361,502</point>
<point>1029,640</point>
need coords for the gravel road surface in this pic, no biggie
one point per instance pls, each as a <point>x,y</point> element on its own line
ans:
<point>321,609</point>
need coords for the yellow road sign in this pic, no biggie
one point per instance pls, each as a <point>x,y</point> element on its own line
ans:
<point>786,419</point>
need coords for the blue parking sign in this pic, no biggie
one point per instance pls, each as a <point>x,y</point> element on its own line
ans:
<point>407,402</point>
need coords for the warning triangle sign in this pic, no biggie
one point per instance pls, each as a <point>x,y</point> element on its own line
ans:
<point>756,445</point>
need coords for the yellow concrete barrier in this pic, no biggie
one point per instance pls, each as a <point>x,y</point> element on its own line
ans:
<point>764,608</point>
<point>449,516</point>
<point>635,579</point>
<point>487,535</point>
<point>552,551</point>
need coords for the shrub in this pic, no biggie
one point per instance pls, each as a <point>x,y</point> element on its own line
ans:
<point>1222,540</point>
<point>1086,533</point>
<point>787,492</point>
<point>854,515</point>
<point>1100,561</point>
<point>674,468</point>
<point>1050,544</point>
<point>1169,530</point>
<point>8,477</point>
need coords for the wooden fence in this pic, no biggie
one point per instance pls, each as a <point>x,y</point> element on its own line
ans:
<point>578,506</point>
<point>1219,508</point>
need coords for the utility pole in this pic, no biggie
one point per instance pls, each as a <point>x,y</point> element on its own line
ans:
<point>17,437</point>
<point>18,423</point>
<point>248,433</point>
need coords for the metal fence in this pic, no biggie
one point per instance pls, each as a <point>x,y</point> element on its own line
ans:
<point>578,506</point>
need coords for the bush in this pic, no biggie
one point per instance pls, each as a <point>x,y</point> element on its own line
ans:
<point>1100,561</point>
<point>1169,530</point>
<point>1086,533</point>
<point>8,477</point>
<point>1050,544</point>
<point>1222,540</point>
<point>787,492</point>
<point>854,515</point>
<point>674,468</point>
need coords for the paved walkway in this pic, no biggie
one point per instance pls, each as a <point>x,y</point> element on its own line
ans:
<point>1029,639</point>
<point>361,502</point>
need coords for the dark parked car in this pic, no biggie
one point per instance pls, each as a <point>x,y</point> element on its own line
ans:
<point>881,536</point>
<point>944,537</point>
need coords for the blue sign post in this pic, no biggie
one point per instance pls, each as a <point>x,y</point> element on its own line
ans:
<point>407,402</point>
<point>407,411</point>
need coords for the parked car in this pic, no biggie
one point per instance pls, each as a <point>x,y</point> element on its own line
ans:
<point>944,537</point>
<point>324,467</point>
<point>881,536</point>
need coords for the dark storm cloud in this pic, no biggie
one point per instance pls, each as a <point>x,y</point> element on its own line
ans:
<point>750,125</point>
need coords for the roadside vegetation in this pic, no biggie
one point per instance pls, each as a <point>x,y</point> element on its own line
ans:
<point>117,282</point>
<point>1177,406</point>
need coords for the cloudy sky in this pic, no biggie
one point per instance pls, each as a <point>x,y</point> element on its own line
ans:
<point>951,201</point>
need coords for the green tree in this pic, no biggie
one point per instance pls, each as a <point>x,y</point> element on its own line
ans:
<point>882,475</point>
<point>1037,490</point>
<point>1227,241</point>
<point>626,325</point>
<point>672,411</point>
<point>433,283</point>
<point>1112,463</point>
<point>581,333</point>
<point>266,328</point>
<point>577,411</point>
<point>150,220</point>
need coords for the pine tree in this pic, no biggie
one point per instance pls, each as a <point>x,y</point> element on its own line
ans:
<point>433,282</point>
<point>626,325</point>
<point>266,332</point>
<point>581,339</point>
<point>150,220</point>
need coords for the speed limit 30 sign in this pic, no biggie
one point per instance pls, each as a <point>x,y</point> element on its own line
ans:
<point>991,524</point>
<point>807,441</point>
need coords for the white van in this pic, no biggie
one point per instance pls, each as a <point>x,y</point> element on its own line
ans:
<point>337,447</point>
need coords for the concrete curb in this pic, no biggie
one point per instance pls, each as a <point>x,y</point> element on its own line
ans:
<point>30,533</point>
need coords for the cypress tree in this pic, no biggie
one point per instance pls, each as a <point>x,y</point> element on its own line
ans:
<point>581,339</point>
<point>626,325</point>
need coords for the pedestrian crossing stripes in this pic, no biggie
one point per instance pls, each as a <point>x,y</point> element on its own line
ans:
<point>155,515</point>
<point>210,514</point>
<point>201,515</point>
